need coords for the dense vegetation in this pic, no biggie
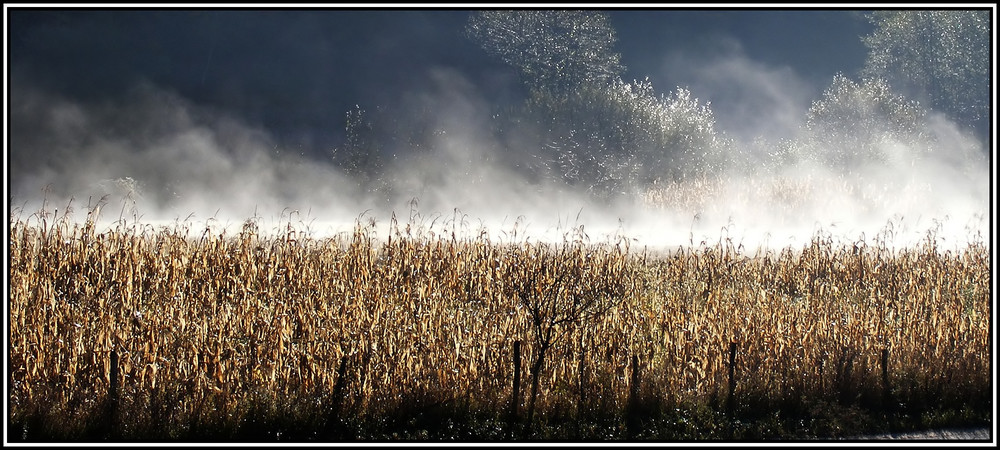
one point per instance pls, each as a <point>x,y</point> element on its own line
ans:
<point>142,333</point>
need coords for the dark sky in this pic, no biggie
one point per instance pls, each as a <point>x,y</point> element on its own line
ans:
<point>297,71</point>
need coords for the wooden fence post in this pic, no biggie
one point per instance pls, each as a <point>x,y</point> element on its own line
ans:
<point>516,394</point>
<point>334,413</point>
<point>845,367</point>
<point>632,408</point>
<point>887,401</point>
<point>582,382</point>
<point>338,388</point>
<point>111,407</point>
<point>730,400</point>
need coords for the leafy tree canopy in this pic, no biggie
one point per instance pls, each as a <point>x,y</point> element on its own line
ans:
<point>938,56</point>
<point>553,49</point>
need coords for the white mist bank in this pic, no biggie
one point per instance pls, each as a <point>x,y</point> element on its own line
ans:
<point>750,213</point>
<point>158,160</point>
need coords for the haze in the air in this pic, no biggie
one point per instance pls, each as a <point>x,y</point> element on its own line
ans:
<point>687,126</point>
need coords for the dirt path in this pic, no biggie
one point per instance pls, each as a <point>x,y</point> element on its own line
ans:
<point>955,434</point>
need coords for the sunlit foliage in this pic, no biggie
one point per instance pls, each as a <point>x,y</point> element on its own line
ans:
<point>938,56</point>
<point>586,126</point>
<point>856,124</point>
<point>613,139</point>
<point>556,50</point>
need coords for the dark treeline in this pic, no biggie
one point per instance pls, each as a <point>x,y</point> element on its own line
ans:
<point>581,124</point>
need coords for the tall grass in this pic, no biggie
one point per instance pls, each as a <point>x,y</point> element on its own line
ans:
<point>234,335</point>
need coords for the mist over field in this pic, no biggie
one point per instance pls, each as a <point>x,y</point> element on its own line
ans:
<point>784,159</point>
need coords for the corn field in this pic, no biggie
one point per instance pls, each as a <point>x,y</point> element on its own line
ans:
<point>170,332</point>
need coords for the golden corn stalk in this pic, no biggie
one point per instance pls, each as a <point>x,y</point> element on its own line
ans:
<point>209,326</point>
